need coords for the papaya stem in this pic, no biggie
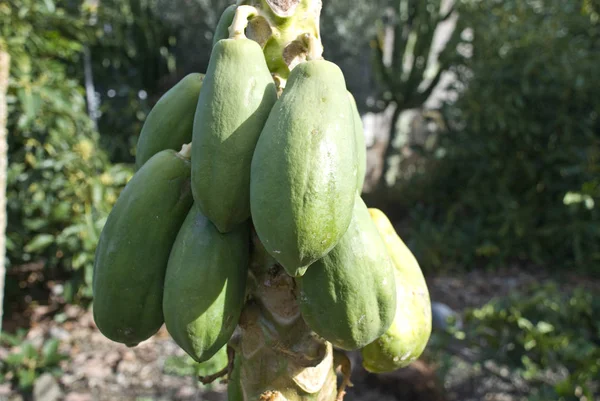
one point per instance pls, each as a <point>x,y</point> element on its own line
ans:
<point>279,27</point>
<point>226,371</point>
<point>314,46</point>
<point>346,368</point>
<point>211,378</point>
<point>186,151</point>
<point>240,21</point>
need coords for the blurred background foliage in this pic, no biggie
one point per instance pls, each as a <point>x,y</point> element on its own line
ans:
<point>515,175</point>
<point>511,174</point>
<point>504,168</point>
<point>543,340</point>
<point>61,184</point>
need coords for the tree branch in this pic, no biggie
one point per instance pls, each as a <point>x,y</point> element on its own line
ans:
<point>4,76</point>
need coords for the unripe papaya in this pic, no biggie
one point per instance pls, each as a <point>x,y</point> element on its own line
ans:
<point>222,29</point>
<point>205,285</point>
<point>169,124</point>
<point>236,97</point>
<point>134,247</point>
<point>303,179</point>
<point>409,333</point>
<point>349,296</point>
<point>361,148</point>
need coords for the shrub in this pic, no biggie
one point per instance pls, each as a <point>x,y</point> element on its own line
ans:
<point>25,362</point>
<point>60,184</point>
<point>517,176</point>
<point>546,337</point>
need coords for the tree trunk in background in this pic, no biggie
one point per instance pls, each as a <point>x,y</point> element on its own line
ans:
<point>378,129</point>
<point>4,67</point>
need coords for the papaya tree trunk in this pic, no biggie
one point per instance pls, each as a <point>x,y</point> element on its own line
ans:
<point>277,357</point>
<point>274,356</point>
<point>4,70</point>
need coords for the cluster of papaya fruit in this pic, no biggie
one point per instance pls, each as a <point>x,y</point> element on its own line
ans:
<point>285,163</point>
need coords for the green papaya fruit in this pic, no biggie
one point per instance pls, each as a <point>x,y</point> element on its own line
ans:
<point>236,97</point>
<point>134,247</point>
<point>409,333</point>
<point>222,30</point>
<point>170,122</point>
<point>304,168</point>
<point>205,285</point>
<point>361,148</point>
<point>349,296</point>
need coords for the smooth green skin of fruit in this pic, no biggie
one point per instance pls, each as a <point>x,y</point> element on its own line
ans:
<point>349,296</point>
<point>303,179</point>
<point>361,148</point>
<point>205,285</point>
<point>134,247</point>
<point>409,333</point>
<point>222,29</point>
<point>169,124</point>
<point>236,97</point>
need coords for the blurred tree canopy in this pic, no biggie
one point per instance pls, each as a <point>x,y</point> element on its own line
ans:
<point>60,183</point>
<point>518,175</point>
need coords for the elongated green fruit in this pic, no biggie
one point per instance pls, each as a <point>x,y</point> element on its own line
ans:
<point>409,333</point>
<point>235,101</point>
<point>361,148</point>
<point>304,168</point>
<point>134,248</point>
<point>222,30</point>
<point>205,285</point>
<point>349,296</point>
<point>169,124</point>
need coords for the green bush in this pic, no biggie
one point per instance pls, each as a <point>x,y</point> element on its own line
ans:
<point>25,362</point>
<point>518,175</point>
<point>61,185</point>
<point>547,337</point>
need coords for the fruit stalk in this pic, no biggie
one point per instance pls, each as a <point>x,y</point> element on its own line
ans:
<point>287,30</point>
<point>277,357</point>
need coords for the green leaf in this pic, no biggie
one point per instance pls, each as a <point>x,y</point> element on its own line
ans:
<point>39,243</point>
<point>26,378</point>
<point>15,359</point>
<point>50,354</point>
<point>50,6</point>
<point>544,327</point>
<point>28,351</point>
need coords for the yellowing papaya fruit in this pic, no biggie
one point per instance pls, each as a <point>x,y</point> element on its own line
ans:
<point>205,285</point>
<point>409,333</point>
<point>361,148</point>
<point>134,247</point>
<point>236,97</point>
<point>169,124</point>
<point>349,296</point>
<point>303,178</point>
<point>222,29</point>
